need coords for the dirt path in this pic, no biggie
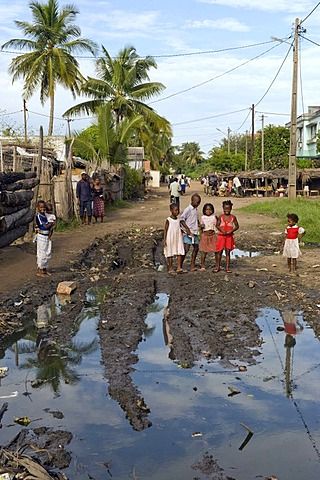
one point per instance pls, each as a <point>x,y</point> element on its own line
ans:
<point>17,263</point>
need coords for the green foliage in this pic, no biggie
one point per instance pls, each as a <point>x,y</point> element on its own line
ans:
<point>50,40</point>
<point>276,147</point>
<point>105,143</point>
<point>220,161</point>
<point>123,81</point>
<point>63,226</point>
<point>306,209</point>
<point>133,187</point>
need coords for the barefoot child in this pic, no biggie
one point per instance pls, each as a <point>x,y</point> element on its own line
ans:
<point>208,233</point>
<point>227,224</point>
<point>173,239</point>
<point>190,219</point>
<point>42,228</point>
<point>293,234</point>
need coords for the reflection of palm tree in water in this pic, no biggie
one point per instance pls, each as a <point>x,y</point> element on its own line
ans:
<point>53,362</point>
<point>292,326</point>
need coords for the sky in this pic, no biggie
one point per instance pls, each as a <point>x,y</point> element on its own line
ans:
<point>179,27</point>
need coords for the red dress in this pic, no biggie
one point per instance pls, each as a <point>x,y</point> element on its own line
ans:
<point>226,242</point>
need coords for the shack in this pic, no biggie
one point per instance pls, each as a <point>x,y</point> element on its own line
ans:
<point>261,184</point>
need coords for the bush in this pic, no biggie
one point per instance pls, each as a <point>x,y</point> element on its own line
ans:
<point>133,187</point>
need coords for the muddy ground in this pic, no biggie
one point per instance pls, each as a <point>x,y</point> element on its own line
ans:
<point>210,315</point>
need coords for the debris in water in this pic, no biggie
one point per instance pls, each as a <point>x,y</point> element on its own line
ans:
<point>24,421</point>
<point>3,371</point>
<point>251,284</point>
<point>316,266</point>
<point>197,434</point>
<point>280,328</point>
<point>233,391</point>
<point>242,368</point>
<point>248,437</point>
<point>262,270</point>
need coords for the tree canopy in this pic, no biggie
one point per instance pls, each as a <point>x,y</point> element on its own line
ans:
<point>50,41</point>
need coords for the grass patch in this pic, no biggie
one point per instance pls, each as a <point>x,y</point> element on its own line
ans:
<point>307,210</point>
<point>63,226</point>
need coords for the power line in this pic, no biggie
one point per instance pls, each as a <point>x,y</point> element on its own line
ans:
<point>276,75</point>
<point>208,118</point>
<point>244,121</point>
<point>10,113</point>
<point>310,13</point>
<point>169,55</point>
<point>274,113</point>
<point>216,77</point>
<point>309,40</point>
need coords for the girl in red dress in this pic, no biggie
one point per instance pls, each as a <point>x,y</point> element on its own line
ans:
<point>227,224</point>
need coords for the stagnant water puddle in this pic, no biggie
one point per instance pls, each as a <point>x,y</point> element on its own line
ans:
<point>190,410</point>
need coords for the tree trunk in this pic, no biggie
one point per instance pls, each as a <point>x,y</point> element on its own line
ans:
<point>50,129</point>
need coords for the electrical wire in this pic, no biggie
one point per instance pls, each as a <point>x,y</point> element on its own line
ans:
<point>180,92</point>
<point>10,113</point>
<point>276,75</point>
<point>310,13</point>
<point>169,55</point>
<point>274,113</point>
<point>244,121</point>
<point>208,118</point>
<point>309,40</point>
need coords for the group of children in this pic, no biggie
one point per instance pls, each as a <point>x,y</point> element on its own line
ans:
<point>214,234</point>
<point>44,223</point>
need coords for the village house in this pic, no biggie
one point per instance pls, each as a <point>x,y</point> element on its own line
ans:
<point>308,127</point>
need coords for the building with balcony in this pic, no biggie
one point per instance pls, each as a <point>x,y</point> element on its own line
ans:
<point>308,127</point>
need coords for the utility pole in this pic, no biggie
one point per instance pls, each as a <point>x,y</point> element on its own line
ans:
<point>229,130</point>
<point>292,185</point>
<point>246,153</point>
<point>262,142</point>
<point>25,121</point>
<point>69,128</point>
<point>252,134</point>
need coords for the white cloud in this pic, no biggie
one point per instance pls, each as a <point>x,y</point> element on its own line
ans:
<point>227,23</point>
<point>126,21</point>
<point>266,5</point>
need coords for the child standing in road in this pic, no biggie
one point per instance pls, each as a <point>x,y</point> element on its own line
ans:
<point>208,233</point>
<point>291,248</point>
<point>173,239</point>
<point>44,244</point>
<point>227,224</point>
<point>189,219</point>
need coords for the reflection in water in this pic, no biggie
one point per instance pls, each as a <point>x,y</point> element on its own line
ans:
<point>168,450</point>
<point>292,326</point>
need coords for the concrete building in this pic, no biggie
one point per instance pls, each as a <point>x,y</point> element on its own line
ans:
<point>308,127</point>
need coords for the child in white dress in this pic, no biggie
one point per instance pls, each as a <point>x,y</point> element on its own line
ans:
<point>173,239</point>
<point>293,234</point>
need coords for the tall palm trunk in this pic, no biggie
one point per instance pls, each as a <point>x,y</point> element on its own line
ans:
<point>50,129</point>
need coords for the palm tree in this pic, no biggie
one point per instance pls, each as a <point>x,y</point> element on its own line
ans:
<point>106,142</point>
<point>51,40</point>
<point>124,82</point>
<point>191,153</point>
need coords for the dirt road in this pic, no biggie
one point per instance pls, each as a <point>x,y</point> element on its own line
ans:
<point>208,317</point>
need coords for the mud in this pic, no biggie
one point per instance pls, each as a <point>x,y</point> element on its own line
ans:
<point>210,316</point>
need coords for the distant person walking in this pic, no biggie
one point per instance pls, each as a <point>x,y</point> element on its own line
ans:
<point>84,196</point>
<point>174,188</point>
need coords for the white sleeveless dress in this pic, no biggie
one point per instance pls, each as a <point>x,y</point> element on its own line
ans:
<point>174,239</point>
